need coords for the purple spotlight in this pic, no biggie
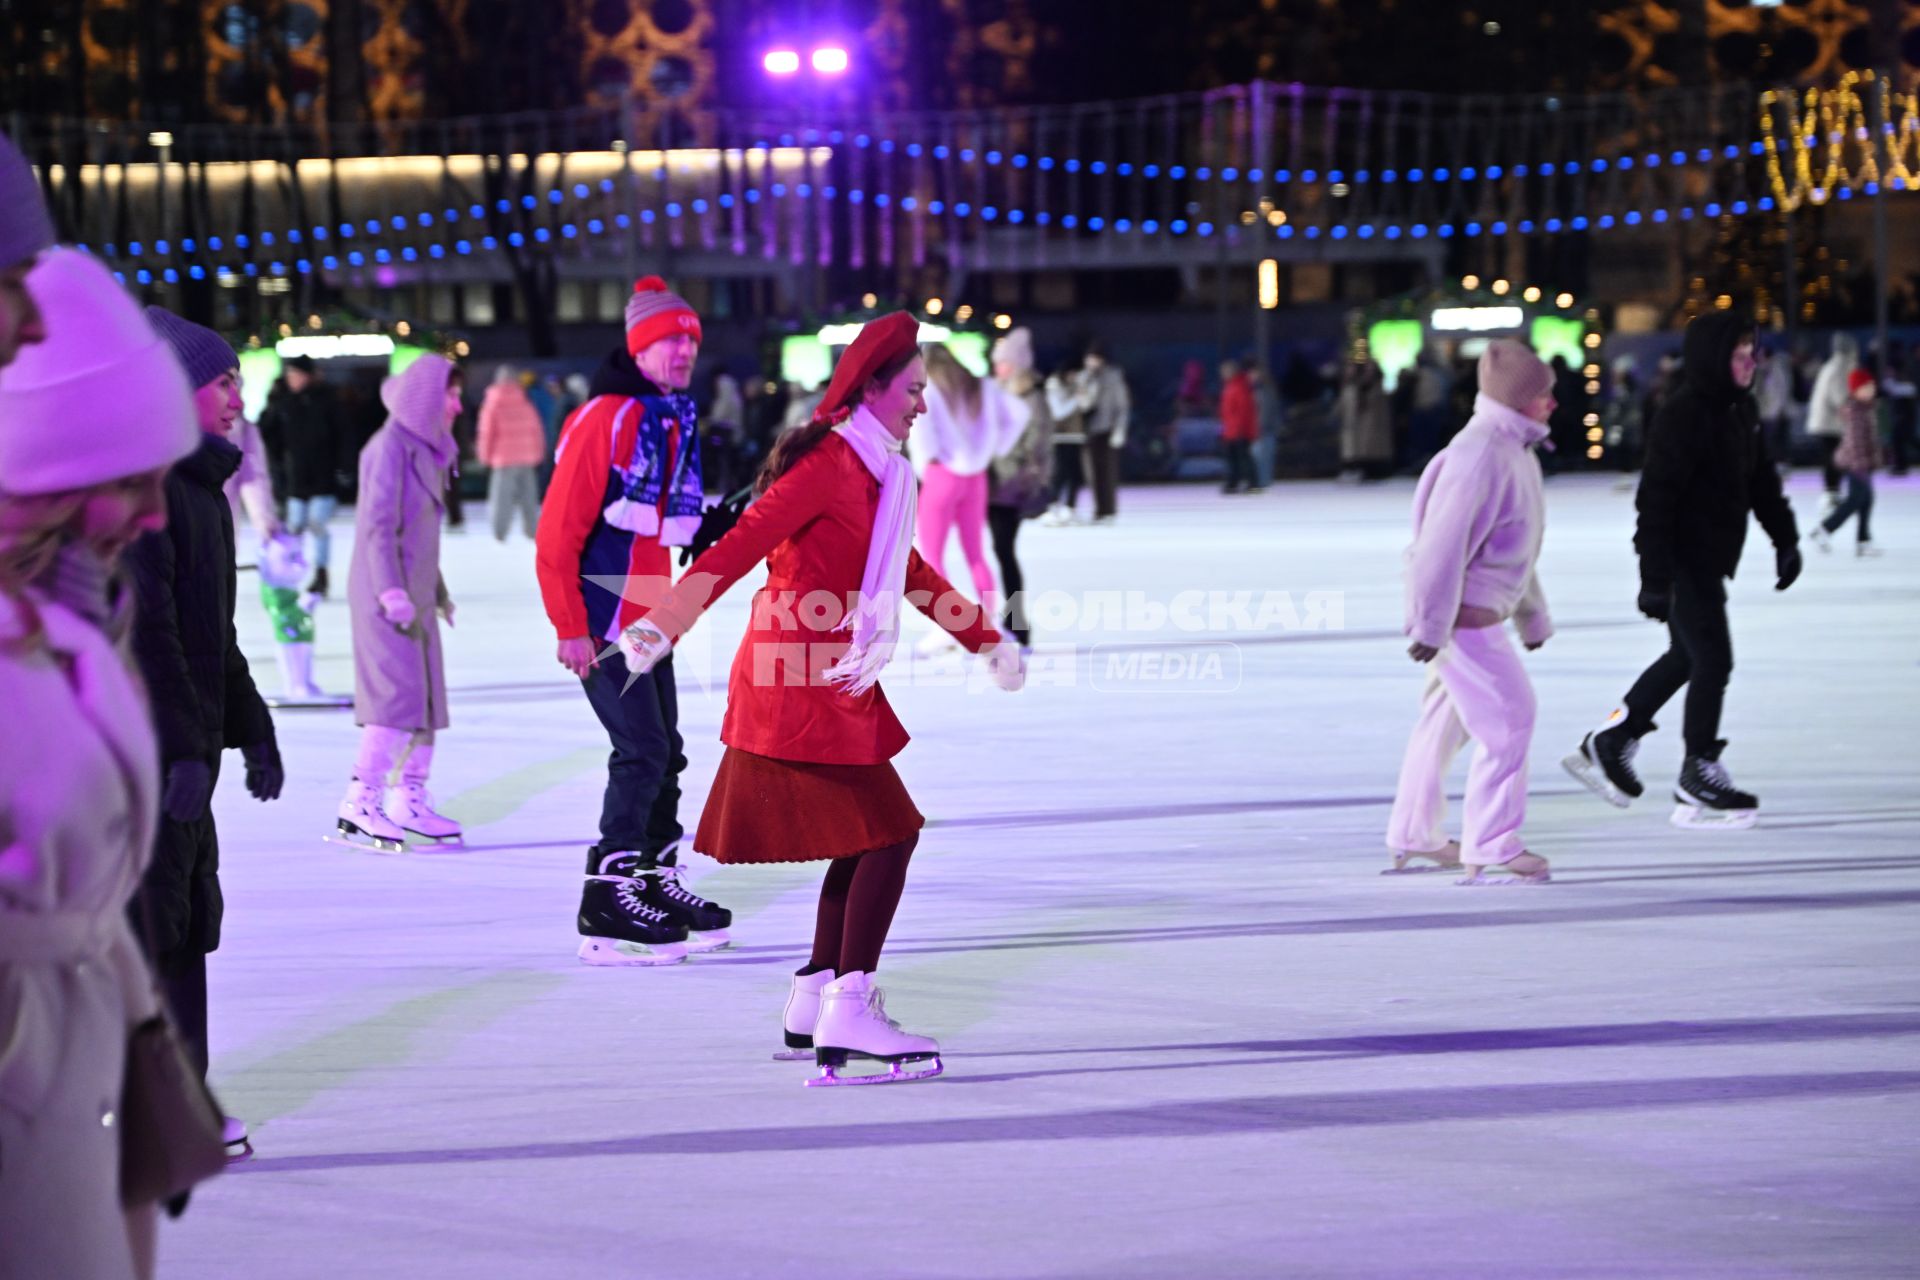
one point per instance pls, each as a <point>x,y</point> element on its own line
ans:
<point>781,62</point>
<point>830,60</point>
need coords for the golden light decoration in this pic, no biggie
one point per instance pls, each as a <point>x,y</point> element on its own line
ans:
<point>1840,124</point>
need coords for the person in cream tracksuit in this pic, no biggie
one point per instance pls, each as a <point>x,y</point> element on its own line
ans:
<point>1478,519</point>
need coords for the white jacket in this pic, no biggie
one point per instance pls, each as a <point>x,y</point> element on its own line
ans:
<point>79,798</point>
<point>1826,407</point>
<point>966,443</point>
<point>1478,520</point>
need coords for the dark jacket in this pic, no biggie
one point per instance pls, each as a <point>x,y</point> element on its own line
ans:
<point>618,375</point>
<point>201,691</point>
<point>1707,466</point>
<point>310,447</point>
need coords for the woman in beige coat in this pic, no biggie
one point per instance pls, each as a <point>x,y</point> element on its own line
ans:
<point>79,795</point>
<point>397,598</point>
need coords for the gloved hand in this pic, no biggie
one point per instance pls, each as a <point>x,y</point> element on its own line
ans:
<point>265,774</point>
<point>643,645</point>
<point>446,611</point>
<point>1007,665</point>
<point>1421,652</point>
<point>715,523</point>
<point>396,607</point>
<point>188,788</point>
<point>1787,562</point>
<point>1656,602</point>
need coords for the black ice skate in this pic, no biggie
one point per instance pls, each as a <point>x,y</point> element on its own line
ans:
<point>619,927</point>
<point>657,880</point>
<point>1604,762</point>
<point>707,922</point>
<point>1708,800</point>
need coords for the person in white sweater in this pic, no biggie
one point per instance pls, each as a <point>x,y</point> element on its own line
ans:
<point>1478,519</point>
<point>969,422</point>
<point>1827,411</point>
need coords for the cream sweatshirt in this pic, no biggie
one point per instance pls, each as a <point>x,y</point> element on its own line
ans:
<point>1478,519</point>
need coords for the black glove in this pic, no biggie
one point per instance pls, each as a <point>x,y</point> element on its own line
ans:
<point>265,774</point>
<point>189,787</point>
<point>715,523</point>
<point>1656,602</point>
<point>1788,562</point>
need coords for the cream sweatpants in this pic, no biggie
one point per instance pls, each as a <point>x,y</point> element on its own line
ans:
<point>1477,688</point>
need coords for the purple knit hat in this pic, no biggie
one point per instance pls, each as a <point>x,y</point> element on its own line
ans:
<point>1512,374</point>
<point>25,228</point>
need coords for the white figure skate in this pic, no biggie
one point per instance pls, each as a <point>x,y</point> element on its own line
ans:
<point>802,1015</point>
<point>363,823</point>
<point>234,1134</point>
<point>409,806</point>
<point>854,1024</point>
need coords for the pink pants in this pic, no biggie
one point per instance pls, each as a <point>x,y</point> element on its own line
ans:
<point>1477,689</point>
<point>949,502</point>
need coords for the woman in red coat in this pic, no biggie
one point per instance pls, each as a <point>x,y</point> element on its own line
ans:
<point>809,733</point>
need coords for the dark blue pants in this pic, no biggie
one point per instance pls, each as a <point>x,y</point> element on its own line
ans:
<point>641,810</point>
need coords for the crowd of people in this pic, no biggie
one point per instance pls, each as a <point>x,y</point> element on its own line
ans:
<point>118,593</point>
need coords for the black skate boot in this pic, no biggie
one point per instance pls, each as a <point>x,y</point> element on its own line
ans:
<point>1708,800</point>
<point>707,922</point>
<point>1604,761</point>
<point>619,925</point>
<point>319,584</point>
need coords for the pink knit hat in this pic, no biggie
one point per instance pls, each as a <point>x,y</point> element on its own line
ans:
<point>1512,374</point>
<point>101,399</point>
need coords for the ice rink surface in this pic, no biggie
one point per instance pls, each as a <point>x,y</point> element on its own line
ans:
<point>1190,1031</point>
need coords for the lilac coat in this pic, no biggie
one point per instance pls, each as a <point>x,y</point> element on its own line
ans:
<point>398,678</point>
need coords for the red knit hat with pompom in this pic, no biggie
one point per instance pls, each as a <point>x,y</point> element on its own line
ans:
<point>655,312</point>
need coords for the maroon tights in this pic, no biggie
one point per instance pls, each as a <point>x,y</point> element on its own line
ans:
<point>856,908</point>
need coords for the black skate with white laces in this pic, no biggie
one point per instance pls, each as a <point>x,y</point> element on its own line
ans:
<point>657,881</point>
<point>707,922</point>
<point>1604,762</point>
<point>620,927</point>
<point>1707,800</point>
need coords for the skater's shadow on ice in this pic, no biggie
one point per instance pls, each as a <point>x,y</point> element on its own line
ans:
<point>1280,1113</point>
<point>1712,1033</point>
<point>1515,914</point>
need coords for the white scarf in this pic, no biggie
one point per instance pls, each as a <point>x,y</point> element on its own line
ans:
<point>874,618</point>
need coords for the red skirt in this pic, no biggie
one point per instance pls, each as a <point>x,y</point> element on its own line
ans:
<point>766,810</point>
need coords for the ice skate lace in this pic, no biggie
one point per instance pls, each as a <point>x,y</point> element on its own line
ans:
<point>1716,773</point>
<point>877,1008</point>
<point>670,881</point>
<point>629,894</point>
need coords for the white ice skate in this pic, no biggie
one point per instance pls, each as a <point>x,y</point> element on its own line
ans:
<point>411,808</point>
<point>1524,868</point>
<point>296,678</point>
<point>802,1015</point>
<point>854,1024</point>
<point>1445,858</point>
<point>363,823</point>
<point>234,1133</point>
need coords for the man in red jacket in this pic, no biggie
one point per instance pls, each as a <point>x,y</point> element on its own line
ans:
<point>1239,426</point>
<point>626,487</point>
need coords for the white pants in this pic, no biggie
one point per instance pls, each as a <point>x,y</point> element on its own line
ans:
<point>1477,689</point>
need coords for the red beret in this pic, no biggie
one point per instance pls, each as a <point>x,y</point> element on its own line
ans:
<point>880,342</point>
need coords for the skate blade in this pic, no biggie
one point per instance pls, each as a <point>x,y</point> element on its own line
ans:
<point>1483,879</point>
<point>905,1071</point>
<point>701,944</point>
<point>325,702</point>
<point>1688,818</point>
<point>366,843</point>
<point>1591,776</point>
<point>794,1055</point>
<point>611,953</point>
<point>238,1151</point>
<point>419,841</point>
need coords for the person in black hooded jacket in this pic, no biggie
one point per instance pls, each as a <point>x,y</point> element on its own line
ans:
<point>1707,469</point>
<point>198,683</point>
